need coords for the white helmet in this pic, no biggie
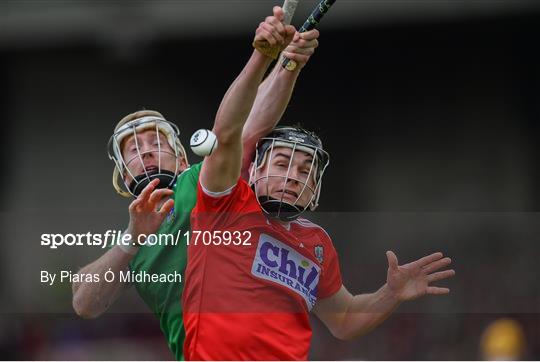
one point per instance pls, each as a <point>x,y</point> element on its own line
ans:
<point>131,125</point>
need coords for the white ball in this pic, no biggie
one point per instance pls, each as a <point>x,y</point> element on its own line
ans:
<point>203,142</point>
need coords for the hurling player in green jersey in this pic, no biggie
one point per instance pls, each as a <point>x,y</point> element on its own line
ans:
<point>152,165</point>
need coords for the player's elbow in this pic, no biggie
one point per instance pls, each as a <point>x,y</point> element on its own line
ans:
<point>344,333</point>
<point>228,135</point>
<point>83,307</point>
<point>346,336</point>
<point>341,334</point>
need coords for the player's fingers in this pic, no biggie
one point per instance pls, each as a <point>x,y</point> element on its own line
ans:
<point>301,43</point>
<point>276,24</point>
<point>134,205</point>
<point>305,48</point>
<point>158,195</point>
<point>392,259</point>
<point>440,275</point>
<point>436,265</point>
<point>166,207</point>
<point>427,259</point>
<point>299,54</point>
<point>145,193</point>
<point>298,42</point>
<point>298,58</point>
<point>277,30</point>
<point>267,32</point>
<point>303,54</point>
<point>309,35</point>
<point>264,36</point>
<point>311,44</point>
<point>290,31</point>
<point>437,290</point>
<point>278,13</point>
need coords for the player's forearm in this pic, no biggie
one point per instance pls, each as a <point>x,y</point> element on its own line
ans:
<point>367,311</point>
<point>90,299</point>
<point>272,99</point>
<point>221,170</point>
<point>238,101</point>
<point>270,104</point>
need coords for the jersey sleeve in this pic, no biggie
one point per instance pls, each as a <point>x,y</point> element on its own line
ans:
<point>217,210</point>
<point>186,187</point>
<point>331,280</point>
<point>193,173</point>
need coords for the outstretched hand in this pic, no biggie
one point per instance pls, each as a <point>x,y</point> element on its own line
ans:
<point>147,212</point>
<point>272,36</point>
<point>302,47</point>
<point>410,281</point>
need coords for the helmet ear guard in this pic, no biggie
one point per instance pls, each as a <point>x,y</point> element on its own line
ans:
<point>298,140</point>
<point>130,126</point>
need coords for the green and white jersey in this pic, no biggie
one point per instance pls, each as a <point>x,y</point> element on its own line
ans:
<point>164,298</point>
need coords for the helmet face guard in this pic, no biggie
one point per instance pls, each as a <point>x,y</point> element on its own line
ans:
<point>298,141</point>
<point>123,168</point>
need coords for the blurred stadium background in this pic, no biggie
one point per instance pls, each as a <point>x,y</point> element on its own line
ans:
<point>430,111</point>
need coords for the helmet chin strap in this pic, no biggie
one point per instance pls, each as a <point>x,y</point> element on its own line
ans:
<point>279,209</point>
<point>166,180</point>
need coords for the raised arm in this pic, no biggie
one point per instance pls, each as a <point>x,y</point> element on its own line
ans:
<point>274,95</point>
<point>146,213</point>
<point>221,170</point>
<point>348,316</point>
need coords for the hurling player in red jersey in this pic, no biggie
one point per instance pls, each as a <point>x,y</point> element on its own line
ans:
<point>256,269</point>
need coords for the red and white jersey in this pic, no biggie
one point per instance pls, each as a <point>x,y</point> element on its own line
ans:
<point>252,302</point>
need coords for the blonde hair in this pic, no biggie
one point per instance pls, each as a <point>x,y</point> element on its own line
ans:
<point>131,117</point>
